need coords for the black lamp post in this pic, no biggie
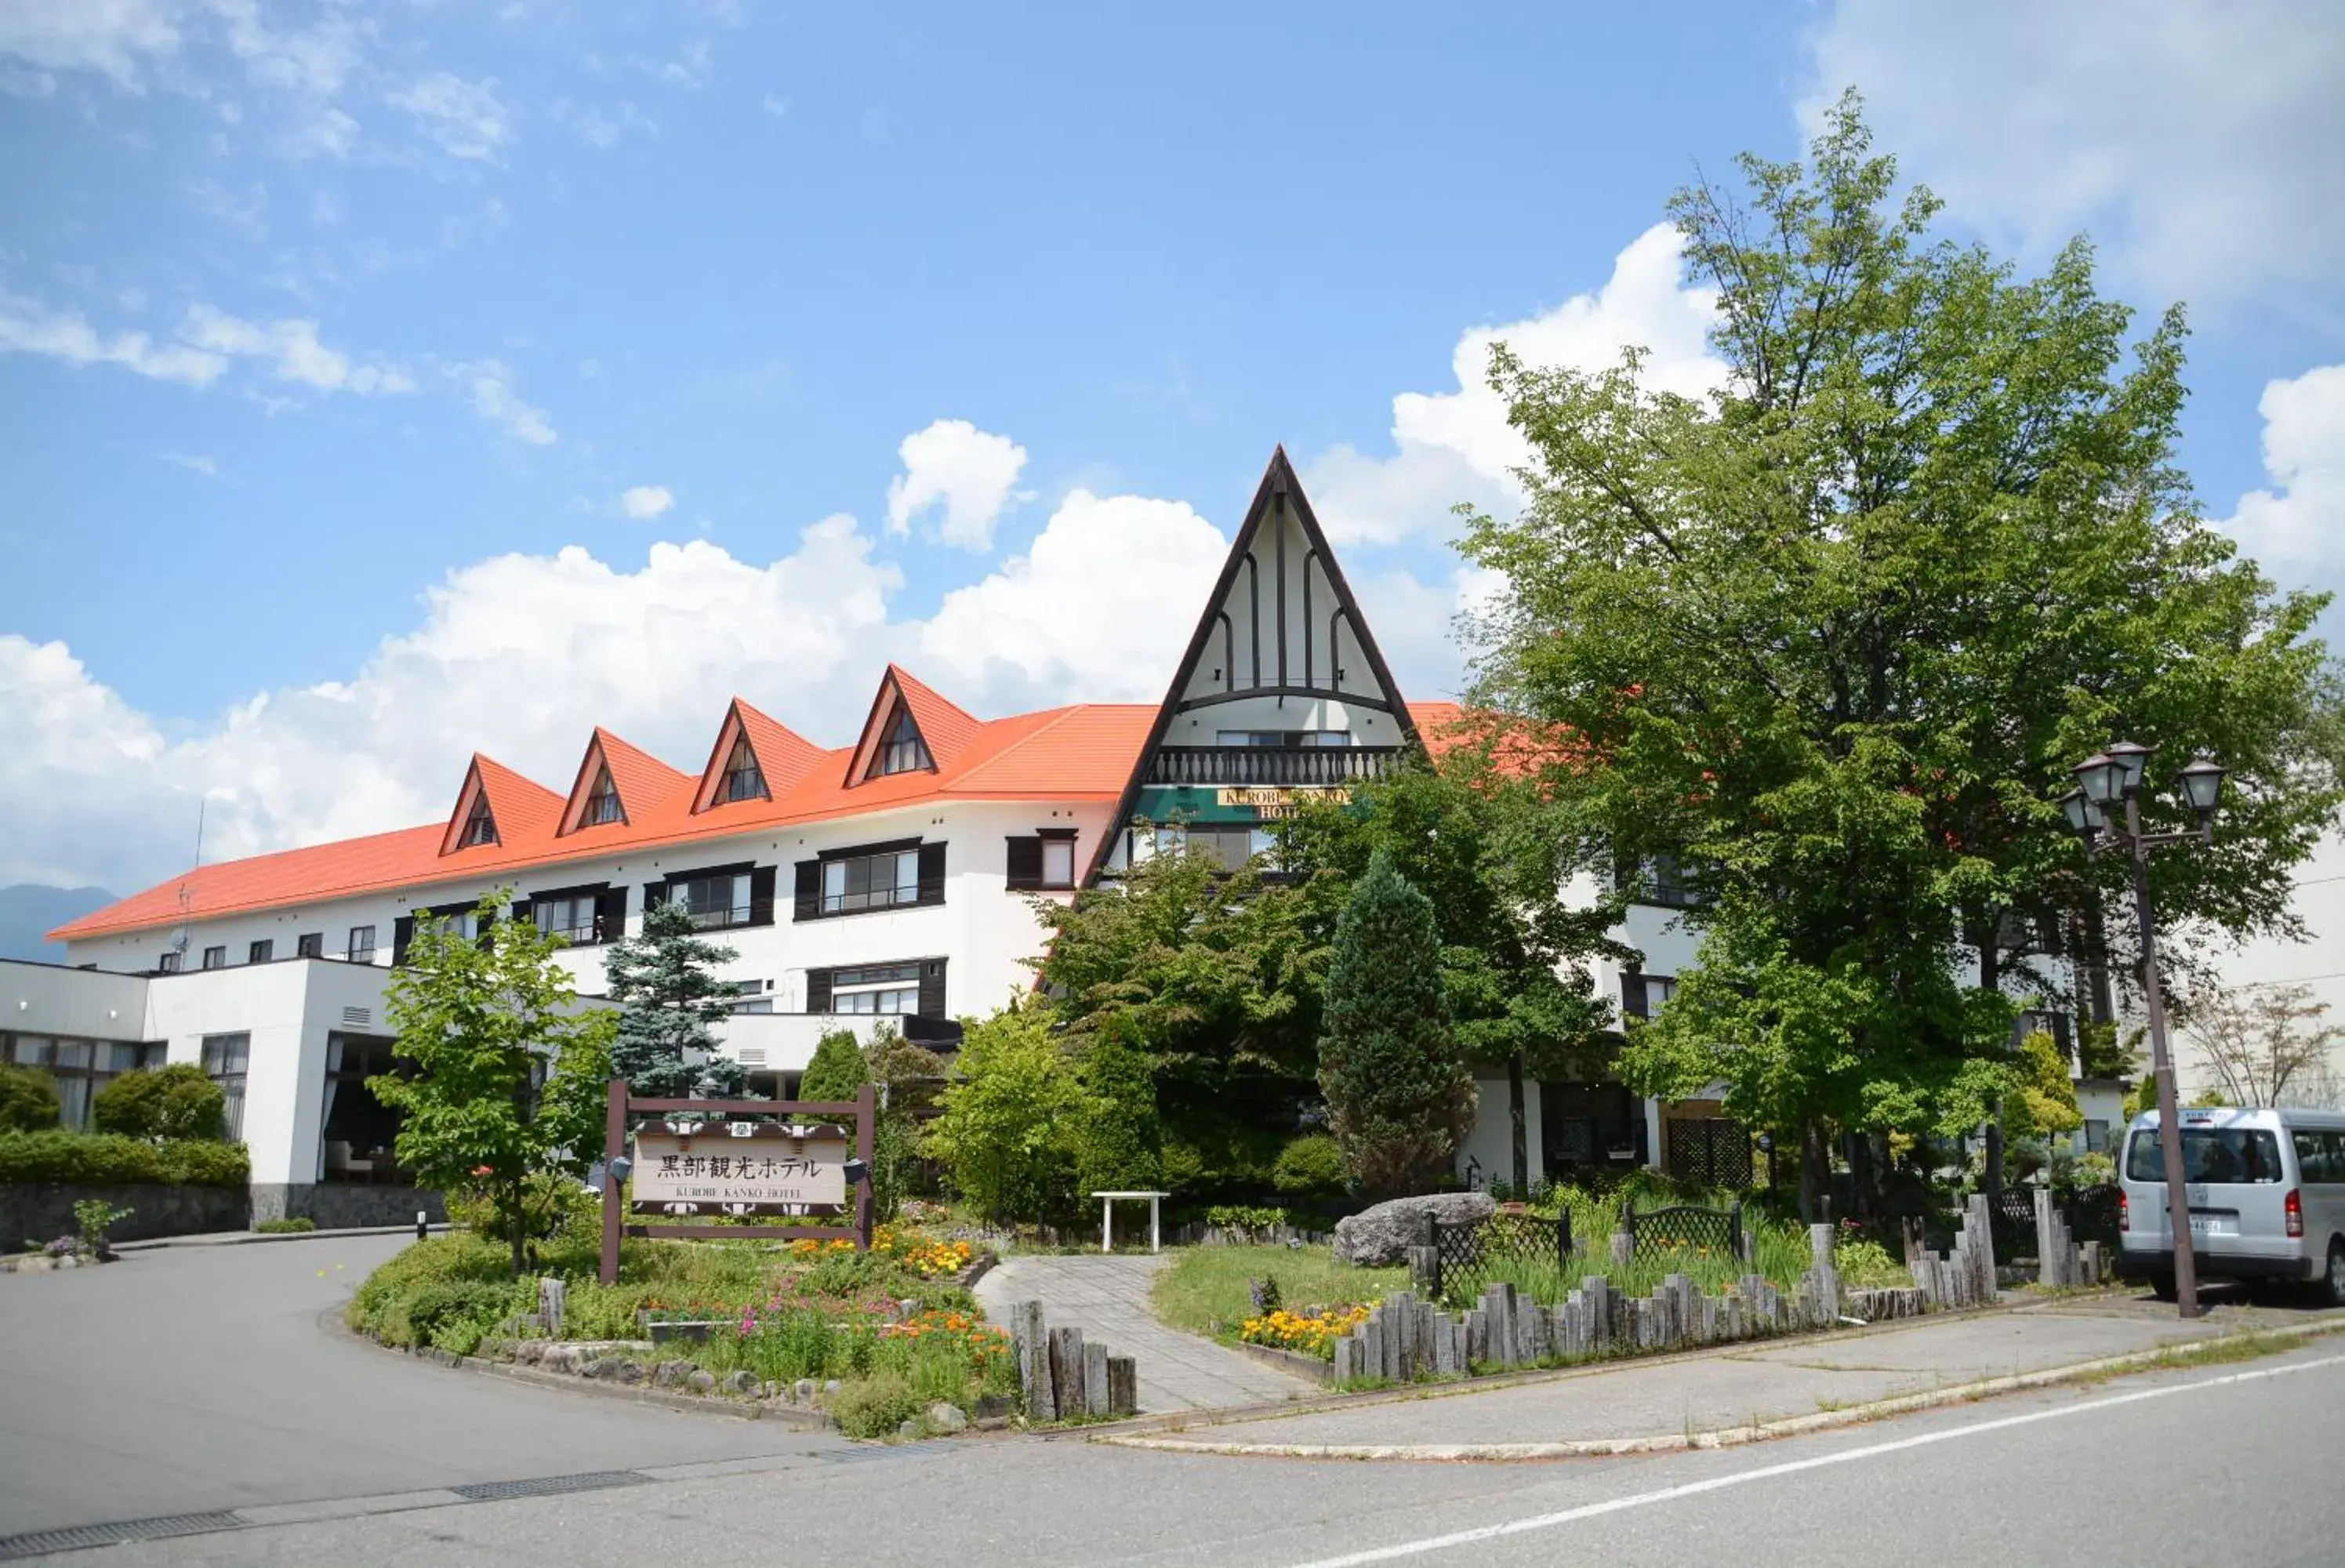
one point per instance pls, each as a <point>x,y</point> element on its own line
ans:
<point>2104,782</point>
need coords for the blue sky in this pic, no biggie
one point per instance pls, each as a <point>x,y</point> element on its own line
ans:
<point>383,382</point>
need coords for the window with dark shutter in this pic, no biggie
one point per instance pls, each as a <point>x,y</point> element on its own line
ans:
<point>654,894</point>
<point>817,991</point>
<point>1025,862</point>
<point>1632,994</point>
<point>611,915</point>
<point>402,933</point>
<point>806,903</point>
<point>761,896</point>
<point>932,873</point>
<point>932,988</point>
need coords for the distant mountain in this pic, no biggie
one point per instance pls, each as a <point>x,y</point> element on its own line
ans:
<point>28,910</point>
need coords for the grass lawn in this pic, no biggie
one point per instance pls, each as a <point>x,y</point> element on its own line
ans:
<point>1204,1289</point>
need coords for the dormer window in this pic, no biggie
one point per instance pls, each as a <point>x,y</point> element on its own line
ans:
<point>601,803</point>
<point>901,750</point>
<point>742,781</point>
<point>480,827</point>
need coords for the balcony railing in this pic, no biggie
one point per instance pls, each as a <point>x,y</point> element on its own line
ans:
<point>1272,766</point>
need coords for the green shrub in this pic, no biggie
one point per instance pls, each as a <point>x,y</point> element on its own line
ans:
<point>1251,1221</point>
<point>180,1102</point>
<point>875,1406</point>
<point>286,1227</point>
<point>560,1209</point>
<point>100,1159</point>
<point>94,1216</point>
<point>1312,1164</point>
<point>838,1070</point>
<point>28,1099</point>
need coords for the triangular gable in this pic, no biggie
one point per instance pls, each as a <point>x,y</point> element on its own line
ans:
<point>513,809</point>
<point>640,783</point>
<point>904,709</point>
<point>1281,622</point>
<point>778,755</point>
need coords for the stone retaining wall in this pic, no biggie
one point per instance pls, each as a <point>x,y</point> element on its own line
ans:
<point>40,1211</point>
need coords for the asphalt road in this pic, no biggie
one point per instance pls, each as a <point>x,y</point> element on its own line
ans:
<point>198,1377</point>
<point>218,1388</point>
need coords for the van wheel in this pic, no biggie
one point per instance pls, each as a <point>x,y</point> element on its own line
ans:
<point>2336,1291</point>
<point>2162,1286</point>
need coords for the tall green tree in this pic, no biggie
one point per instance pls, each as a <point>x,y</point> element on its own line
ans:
<point>838,1070</point>
<point>664,981</point>
<point>178,1101</point>
<point>1399,1095</point>
<point>1119,1148</point>
<point>1499,859</point>
<point>508,1075</point>
<point>1837,631</point>
<point>1012,1113</point>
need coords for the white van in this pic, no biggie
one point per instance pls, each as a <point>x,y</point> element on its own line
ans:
<point>2267,1191</point>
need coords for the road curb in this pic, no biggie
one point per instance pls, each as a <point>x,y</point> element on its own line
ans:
<point>252,1238</point>
<point>1723,1437</point>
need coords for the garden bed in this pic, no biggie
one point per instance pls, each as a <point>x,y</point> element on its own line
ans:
<point>887,1343</point>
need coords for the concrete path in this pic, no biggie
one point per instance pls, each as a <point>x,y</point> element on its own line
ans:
<point>1745,1385</point>
<point>188,1378</point>
<point>1106,1296</point>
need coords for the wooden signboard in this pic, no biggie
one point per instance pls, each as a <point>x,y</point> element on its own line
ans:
<point>726,1157</point>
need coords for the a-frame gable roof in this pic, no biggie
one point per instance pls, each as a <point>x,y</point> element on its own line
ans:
<point>1279,494</point>
<point>522,810</point>
<point>645,784</point>
<point>945,729</point>
<point>783,756</point>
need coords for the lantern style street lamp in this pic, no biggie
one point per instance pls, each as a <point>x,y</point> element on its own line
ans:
<point>2108,783</point>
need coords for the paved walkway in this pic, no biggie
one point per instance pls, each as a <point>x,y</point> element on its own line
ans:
<point>1106,1296</point>
<point>1750,1384</point>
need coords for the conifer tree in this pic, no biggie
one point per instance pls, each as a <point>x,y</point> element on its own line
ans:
<point>1399,1096</point>
<point>1120,1146</point>
<point>838,1070</point>
<point>665,982</point>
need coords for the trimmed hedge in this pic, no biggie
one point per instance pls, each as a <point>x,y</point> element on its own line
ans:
<point>99,1158</point>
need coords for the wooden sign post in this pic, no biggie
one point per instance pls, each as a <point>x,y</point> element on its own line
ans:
<point>708,1156</point>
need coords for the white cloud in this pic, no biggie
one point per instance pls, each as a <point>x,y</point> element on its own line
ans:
<point>195,462</point>
<point>603,127</point>
<point>2196,138</point>
<point>968,471</point>
<point>1455,446</point>
<point>113,37</point>
<point>1096,609</point>
<point>26,328</point>
<point>2301,520</point>
<point>293,350</point>
<point>775,104</point>
<point>464,118</point>
<point>645,501</point>
<point>487,384</point>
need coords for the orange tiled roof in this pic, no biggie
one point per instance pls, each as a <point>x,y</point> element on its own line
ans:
<point>1079,754</point>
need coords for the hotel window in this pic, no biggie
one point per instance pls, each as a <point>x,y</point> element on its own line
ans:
<point>876,988</point>
<point>361,944</point>
<point>742,779</point>
<point>714,901</point>
<point>1286,738</point>
<point>1228,847</point>
<point>870,882</point>
<point>309,945</point>
<point>80,1069</point>
<point>569,915</point>
<point>480,827</point>
<point>216,957</point>
<point>1657,880</point>
<point>752,997</point>
<point>1044,860</point>
<point>169,963</point>
<point>226,1059</point>
<point>601,803</point>
<point>901,750</point>
<point>260,951</point>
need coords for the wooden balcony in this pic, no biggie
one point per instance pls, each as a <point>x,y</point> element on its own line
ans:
<point>1269,767</point>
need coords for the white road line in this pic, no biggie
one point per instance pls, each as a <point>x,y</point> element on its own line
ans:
<point>1792,1467</point>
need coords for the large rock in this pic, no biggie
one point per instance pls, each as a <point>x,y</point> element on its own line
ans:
<point>1381,1236</point>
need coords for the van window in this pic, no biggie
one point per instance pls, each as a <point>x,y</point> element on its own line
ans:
<point>2227,1156</point>
<point>2320,1158</point>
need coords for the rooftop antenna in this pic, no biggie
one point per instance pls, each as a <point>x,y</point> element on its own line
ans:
<point>186,895</point>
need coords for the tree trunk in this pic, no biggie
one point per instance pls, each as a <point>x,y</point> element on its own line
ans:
<point>1814,1169</point>
<point>519,1207</point>
<point>1522,1142</point>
